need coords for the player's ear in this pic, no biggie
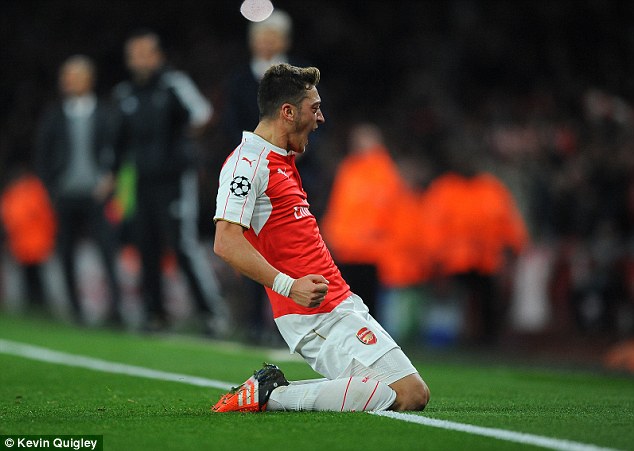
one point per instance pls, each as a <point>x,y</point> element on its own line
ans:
<point>288,112</point>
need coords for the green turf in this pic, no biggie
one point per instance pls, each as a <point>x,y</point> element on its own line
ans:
<point>135,413</point>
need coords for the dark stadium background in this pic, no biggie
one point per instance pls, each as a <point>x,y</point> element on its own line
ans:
<point>368,50</point>
<point>420,69</point>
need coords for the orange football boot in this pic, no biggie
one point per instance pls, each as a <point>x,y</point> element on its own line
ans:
<point>254,393</point>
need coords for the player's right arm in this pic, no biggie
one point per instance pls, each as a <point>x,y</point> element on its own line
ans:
<point>231,245</point>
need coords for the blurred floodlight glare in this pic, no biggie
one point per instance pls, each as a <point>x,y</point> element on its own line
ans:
<point>256,10</point>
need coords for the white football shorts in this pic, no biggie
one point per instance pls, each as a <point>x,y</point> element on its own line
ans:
<point>350,342</point>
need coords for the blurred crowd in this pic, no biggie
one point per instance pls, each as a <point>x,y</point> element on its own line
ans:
<point>474,178</point>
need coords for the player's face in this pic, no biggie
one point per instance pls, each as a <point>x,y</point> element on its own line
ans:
<point>309,117</point>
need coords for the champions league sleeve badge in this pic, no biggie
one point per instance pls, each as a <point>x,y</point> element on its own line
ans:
<point>240,186</point>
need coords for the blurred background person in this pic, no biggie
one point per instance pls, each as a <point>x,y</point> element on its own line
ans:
<point>158,111</point>
<point>358,213</point>
<point>268,41</point>
<point>73,158</point>
<point>29,225</point>
<point>481,233</point>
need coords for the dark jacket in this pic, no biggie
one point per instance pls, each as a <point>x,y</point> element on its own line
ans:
<point>242,106</point>
<point>52,143</point>
<point>152,126</point>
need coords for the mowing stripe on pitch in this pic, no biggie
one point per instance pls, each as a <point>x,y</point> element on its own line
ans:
<point>62,358</point>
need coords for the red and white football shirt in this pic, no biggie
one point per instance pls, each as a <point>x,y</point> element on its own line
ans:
<point>260,189</point>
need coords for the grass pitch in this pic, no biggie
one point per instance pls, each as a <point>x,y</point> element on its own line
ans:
<point>576,408</point>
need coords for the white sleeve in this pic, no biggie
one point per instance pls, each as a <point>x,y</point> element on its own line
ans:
<point>200,109</point>
<point>240,185</point>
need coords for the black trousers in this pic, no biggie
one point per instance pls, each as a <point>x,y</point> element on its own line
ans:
<point>364,282</point>
<point>164,221</point>
<point>80,217</point>
<point>486,309</point>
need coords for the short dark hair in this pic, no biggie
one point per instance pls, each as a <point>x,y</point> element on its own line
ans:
<point>284,83</point>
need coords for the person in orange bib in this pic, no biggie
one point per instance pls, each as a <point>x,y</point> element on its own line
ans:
<point>358,214</point>
<point>30,227</point>
<point>481,232</point>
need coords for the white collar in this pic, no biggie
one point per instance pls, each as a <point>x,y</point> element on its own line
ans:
<point>80,105</point>
<point>253,137</point>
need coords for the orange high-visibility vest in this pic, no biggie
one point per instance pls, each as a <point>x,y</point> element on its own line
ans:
<point>501,227</point>
<point>358,211</point>
<point>477,219</point>
<point>407,259</point>
<point>28,219</point>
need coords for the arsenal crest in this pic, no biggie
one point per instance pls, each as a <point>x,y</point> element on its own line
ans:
<point>366,336</point>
